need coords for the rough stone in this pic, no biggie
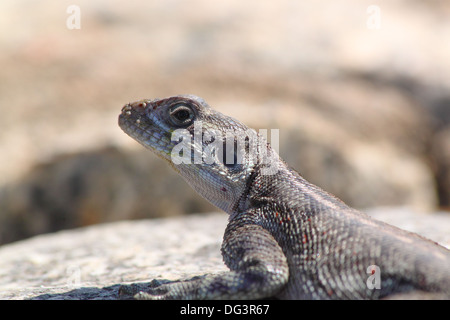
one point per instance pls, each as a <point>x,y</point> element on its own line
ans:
<point>91,262</point>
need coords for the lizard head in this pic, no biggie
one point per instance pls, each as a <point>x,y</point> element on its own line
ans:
<point>214,153</point>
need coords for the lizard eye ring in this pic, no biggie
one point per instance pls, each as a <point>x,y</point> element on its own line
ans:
<point>181,115</point>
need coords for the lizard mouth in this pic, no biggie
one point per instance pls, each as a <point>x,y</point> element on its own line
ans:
<point>129,120</point>
<point>135,123</point>
<point>132,116</point>
<point>132,110</point>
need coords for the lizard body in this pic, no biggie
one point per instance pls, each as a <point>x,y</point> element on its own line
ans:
<point>286,238</point>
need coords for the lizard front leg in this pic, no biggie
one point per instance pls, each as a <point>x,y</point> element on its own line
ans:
<point>258,269</point>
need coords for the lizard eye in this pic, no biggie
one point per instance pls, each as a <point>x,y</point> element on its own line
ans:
<point>181,115</point>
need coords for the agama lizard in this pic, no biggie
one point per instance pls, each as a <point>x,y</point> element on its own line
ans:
<point>286,238</point>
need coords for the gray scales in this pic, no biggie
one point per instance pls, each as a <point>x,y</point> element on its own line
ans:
<point>286,238</point>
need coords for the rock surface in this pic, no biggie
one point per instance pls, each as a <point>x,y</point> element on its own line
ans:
<point>92,262</point>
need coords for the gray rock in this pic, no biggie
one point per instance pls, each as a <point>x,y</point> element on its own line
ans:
<point>91,262</point>
<point>434,226</point>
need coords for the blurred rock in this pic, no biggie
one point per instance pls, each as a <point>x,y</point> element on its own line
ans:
<point>369,152</point>
<point>440,154</point>
<point>81,189</point>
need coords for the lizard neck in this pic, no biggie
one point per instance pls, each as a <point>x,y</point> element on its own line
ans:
<point>288,191</point>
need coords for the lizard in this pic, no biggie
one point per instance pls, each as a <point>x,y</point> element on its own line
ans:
<point>286,238</point>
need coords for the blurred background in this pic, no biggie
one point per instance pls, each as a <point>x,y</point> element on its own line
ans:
<point>360,91</point>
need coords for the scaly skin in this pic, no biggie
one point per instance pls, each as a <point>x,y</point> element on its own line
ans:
<point>286,238</point>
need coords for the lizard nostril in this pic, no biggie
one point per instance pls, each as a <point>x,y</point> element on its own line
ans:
<point>126,109</point>
<point>131,107</point>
